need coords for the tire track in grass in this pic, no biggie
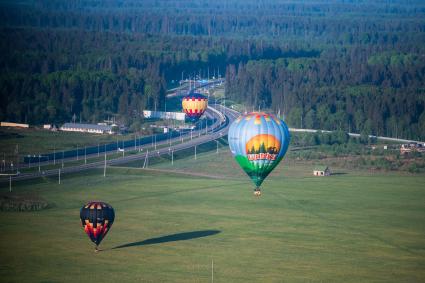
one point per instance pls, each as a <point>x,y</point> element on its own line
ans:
<point>179,172</point>
<point>159,194</point>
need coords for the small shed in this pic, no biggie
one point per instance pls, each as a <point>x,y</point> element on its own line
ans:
<point>322,171</point>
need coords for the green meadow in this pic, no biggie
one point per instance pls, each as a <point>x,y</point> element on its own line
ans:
<point>203,224</point>
<point>37,141</point>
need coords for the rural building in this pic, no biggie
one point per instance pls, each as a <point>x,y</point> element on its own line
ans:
<point>179,116</point>
<point>322,171</point>
<point>87,128</point>
<point>15,125</point>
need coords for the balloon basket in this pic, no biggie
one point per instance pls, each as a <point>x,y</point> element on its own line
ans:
<point>257,192</point>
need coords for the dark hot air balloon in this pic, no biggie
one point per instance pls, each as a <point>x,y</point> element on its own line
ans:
<point>97,218</point>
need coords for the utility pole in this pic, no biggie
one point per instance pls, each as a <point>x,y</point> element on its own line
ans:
<point>104,166</point>
<point>144,162</point>
<point>10,183</point>
<point>17,159</point>
<point>59,176</point>
<point>172,157</point>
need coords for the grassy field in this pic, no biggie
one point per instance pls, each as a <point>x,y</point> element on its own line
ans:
<point>351,227</point>
<point>35,141</point>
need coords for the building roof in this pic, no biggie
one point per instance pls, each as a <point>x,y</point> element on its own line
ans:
<point>321,168</point>
<point>87,126</point>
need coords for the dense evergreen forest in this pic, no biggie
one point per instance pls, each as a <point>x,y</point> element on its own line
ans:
<point>345,65</point>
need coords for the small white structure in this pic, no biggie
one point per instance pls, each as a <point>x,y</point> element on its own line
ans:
<point>322,171</point>
<point>15,125</point>
<point>47,126</point>
<point>87,128</point>
<point>179,116</point>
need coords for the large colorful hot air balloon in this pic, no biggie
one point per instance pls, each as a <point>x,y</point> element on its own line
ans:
<point>194,105</point>
<point>258,142</point>
<point>97,218</point>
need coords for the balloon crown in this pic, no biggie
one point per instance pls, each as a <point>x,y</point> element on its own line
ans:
<point>195,95</point>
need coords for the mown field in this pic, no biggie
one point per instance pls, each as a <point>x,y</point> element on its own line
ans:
<point>36,141</point>
<point>351,227</point>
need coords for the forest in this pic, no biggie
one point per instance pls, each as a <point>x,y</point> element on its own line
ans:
<point>355,66</point>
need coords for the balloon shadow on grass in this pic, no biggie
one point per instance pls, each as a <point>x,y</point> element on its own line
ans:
<point>171,238</point>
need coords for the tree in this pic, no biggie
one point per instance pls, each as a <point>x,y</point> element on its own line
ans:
<point>311,119</point>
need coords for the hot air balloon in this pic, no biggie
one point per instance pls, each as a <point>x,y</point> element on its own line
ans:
<point>258,142</point>
<point>97,218</point>
<point>194,105</point>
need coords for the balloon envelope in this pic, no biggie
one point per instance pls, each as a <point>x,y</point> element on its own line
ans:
<point>194,105</point>
<point>258,142</point>
<point>97,218</point>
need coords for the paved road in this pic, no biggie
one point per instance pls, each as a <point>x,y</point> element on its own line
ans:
<point>184,89</point>
<point>215,131</point>
<point>355,135</point>
<point>223,117</point>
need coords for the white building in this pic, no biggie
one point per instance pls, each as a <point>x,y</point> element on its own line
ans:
<point>180,116</point>
<point>15,125</point>
<point>322,171</point>
<point>86,128</point>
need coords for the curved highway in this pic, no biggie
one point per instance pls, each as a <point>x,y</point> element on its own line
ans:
<point>214,131</point>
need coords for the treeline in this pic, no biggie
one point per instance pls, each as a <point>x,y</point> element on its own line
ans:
<point>48,75</point>
<point>336,22</point>
<point>354,90</point>
<point>91,96</point>
<point>338,65</point>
